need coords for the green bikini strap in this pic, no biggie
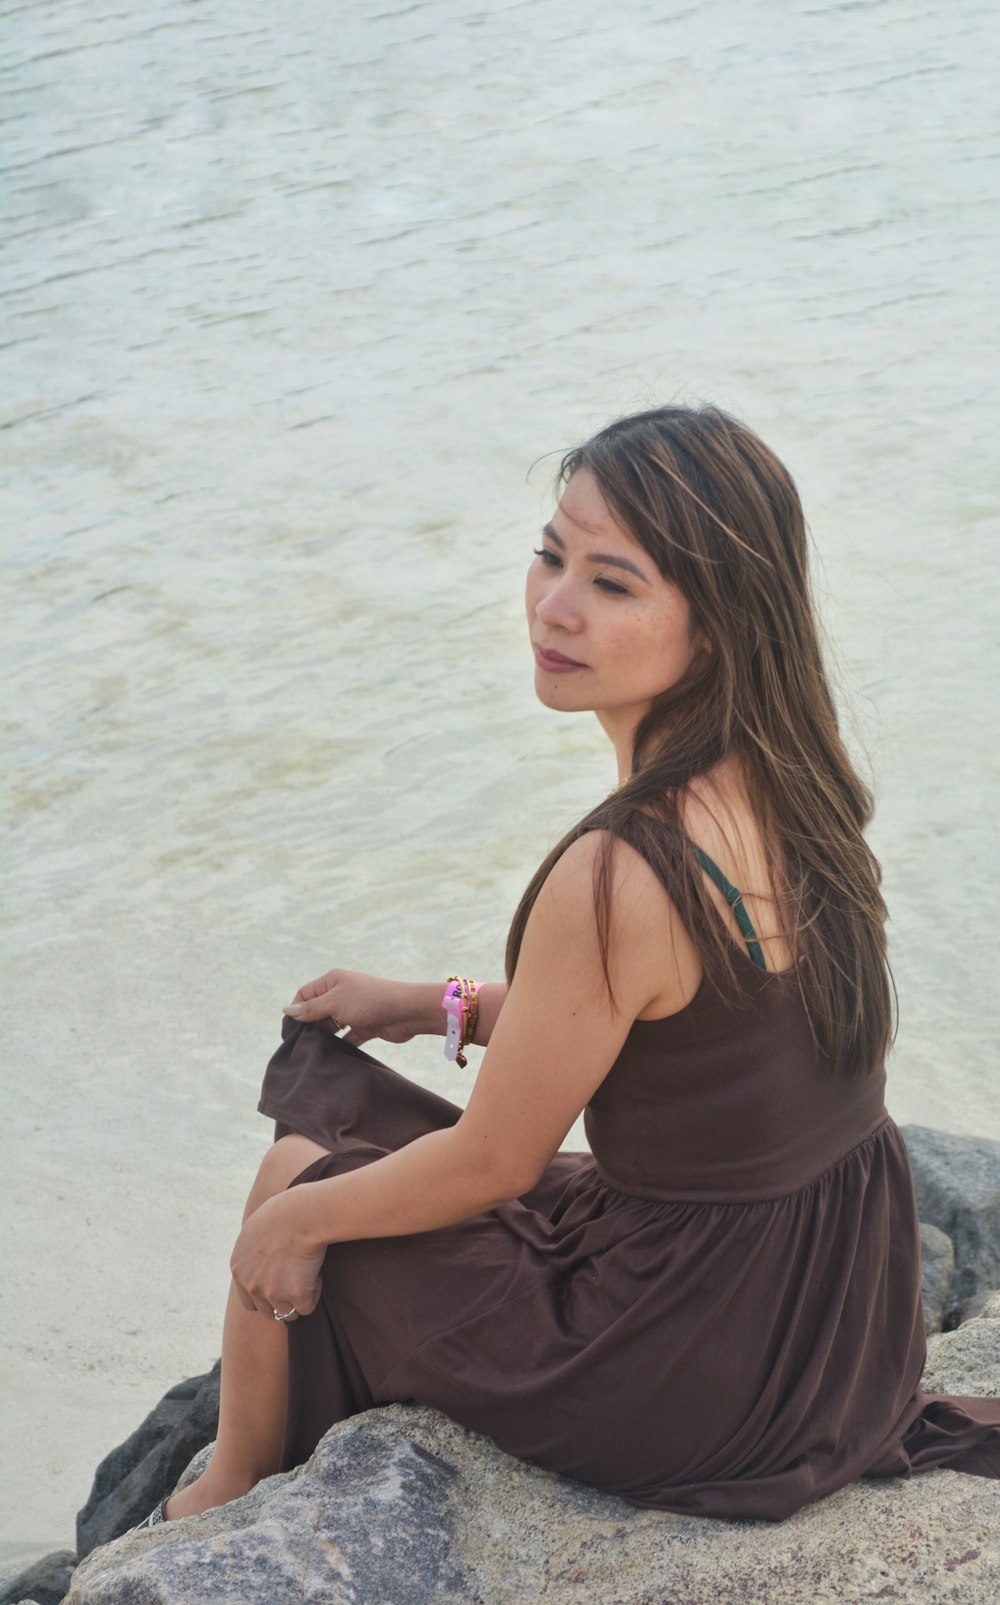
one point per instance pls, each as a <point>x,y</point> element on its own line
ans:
<point>735,900</point>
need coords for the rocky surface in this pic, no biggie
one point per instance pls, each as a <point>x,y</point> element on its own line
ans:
<point>132,1478</point>
<point>937,1256</point>
<point>967,1360</point>
<point>958,1190</point>
<point>45,1582</point>
<point>401,1504</point>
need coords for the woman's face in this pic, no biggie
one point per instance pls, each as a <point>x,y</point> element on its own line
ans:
<point>609,632</point>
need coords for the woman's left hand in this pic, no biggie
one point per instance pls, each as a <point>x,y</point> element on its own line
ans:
<point>276,1263</point>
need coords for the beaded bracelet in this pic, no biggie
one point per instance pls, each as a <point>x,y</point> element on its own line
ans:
<point>461,1002</point>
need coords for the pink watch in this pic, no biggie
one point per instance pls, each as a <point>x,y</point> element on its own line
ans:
<point>454,1003</point>
<point>460,1002</point>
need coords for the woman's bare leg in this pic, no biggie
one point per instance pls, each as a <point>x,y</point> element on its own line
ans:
<point>254,1369</point>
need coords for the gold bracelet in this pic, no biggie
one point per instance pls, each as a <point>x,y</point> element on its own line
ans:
<point>469,991</point>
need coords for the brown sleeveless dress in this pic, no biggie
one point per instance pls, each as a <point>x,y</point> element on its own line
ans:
<point>716,1311</point>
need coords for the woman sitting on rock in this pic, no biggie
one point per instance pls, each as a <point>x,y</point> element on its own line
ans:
<point>718,1309</point>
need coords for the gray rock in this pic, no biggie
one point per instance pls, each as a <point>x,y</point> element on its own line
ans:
<point>958,1190</point>
<point>370,1518</point>
<point>401,1505</point>
<point>135,1476</point>
<point>937,1257</point>
<point>967,1360</point>
<point>967,1310</point>
<point>45,1581</point>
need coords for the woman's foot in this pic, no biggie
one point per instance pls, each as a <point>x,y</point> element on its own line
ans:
<point>198,1496</point>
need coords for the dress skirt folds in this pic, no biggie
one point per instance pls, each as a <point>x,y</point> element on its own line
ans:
<point>716,1311</point>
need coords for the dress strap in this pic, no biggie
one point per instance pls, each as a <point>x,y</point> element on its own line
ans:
<point>735,900</point>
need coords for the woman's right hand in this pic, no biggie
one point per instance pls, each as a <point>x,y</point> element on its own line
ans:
<point>368,1005</point>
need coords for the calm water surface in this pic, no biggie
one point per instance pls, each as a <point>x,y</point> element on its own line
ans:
<point>294,299</point>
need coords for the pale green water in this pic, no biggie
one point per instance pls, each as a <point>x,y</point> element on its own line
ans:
<point>293,302</point>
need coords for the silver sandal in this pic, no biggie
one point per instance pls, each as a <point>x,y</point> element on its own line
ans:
<point>153,1519</point>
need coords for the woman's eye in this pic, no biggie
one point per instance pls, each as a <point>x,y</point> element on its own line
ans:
<point>552,559</point>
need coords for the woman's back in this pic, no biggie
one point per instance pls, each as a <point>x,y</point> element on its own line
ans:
<point>728,1099</point>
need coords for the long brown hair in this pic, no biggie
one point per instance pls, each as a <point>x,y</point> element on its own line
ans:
<point>721,518</point>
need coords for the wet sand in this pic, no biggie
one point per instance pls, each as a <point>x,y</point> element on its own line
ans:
<point>292,307</point>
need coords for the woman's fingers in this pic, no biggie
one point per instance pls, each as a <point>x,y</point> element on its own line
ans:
<point>274,1271</point>
<point>321,987</point>
<point>312,1301</point>
<point>244,1297</point>
<point>308,1299</point>
<point>287,1303</point>
<point>367,1005</point>
<point>320,1007</point>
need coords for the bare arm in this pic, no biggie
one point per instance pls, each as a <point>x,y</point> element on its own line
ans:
<point>552,1045</point>
<point>373,1006</point>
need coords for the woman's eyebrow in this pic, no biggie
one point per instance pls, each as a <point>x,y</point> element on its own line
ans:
<point>598,557</point>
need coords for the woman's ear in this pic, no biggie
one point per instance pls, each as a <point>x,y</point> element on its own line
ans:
<point>701,644</point>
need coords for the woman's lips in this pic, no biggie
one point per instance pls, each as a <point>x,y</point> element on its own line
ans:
<point>555,663</point>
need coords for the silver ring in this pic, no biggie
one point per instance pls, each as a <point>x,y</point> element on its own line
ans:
<point>287,1315</point>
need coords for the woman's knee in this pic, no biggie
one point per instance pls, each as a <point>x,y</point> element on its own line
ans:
<point>284,1160</point>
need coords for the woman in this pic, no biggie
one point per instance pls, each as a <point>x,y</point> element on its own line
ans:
<point>719,1309</point>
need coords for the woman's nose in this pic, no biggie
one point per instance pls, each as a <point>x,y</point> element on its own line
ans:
<point>559,606</point>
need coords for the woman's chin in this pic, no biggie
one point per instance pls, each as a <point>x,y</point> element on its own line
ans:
<point>556,691</point>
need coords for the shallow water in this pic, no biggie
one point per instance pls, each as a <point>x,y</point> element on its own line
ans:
<point>291,308</point>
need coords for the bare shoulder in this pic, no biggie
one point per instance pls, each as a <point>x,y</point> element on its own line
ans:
<point>634,884</point>
<point>652,961</point>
